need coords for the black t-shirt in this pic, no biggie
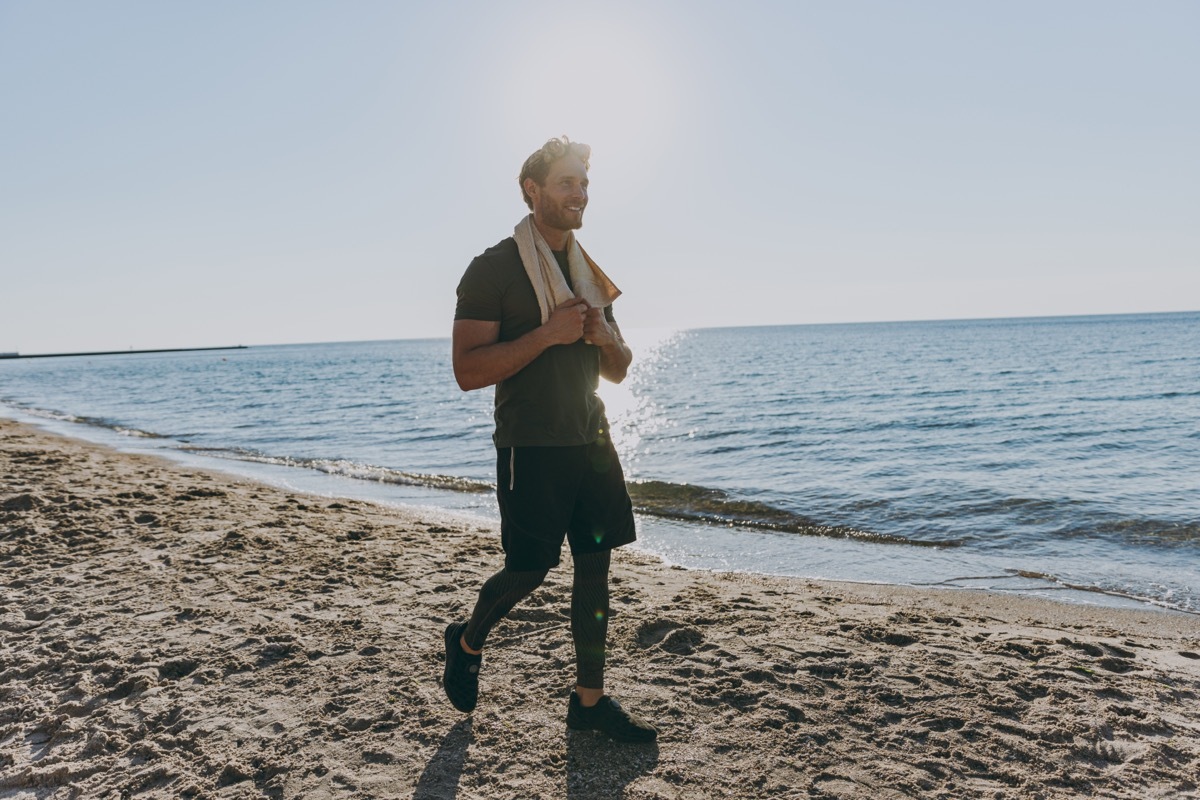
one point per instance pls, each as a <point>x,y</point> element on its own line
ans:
<point>552,401</point>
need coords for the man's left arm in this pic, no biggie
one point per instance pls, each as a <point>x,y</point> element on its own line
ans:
<point>615,356</point>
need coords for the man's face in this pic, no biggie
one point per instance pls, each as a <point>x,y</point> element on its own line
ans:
<point>559,203</point>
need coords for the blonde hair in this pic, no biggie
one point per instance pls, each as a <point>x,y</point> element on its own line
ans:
<point>537,166</point>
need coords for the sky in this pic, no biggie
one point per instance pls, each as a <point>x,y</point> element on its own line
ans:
<point>218,173</point>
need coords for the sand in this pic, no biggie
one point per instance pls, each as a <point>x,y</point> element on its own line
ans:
<point>173,633</point>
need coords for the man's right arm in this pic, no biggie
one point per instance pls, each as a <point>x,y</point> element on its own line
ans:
<point>481,359</point>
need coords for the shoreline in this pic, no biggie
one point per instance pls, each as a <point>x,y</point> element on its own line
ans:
<point>668,539</point>
<point>176,632</point>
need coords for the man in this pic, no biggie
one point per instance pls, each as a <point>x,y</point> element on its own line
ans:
<point>534,318</point>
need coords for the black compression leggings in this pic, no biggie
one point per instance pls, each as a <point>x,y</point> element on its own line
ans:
<point>589,611</point>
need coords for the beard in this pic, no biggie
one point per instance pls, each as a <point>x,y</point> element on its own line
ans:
<point>556,216</point>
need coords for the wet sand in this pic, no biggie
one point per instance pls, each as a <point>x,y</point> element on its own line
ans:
<point>167,632</point>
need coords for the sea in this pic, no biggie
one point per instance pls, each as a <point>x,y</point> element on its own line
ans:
<point>1054,457</point>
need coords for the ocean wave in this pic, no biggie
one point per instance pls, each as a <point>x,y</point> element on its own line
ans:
<point>61,416</point>
<point>135,433</point>
<point>349,469</point>
<point>1186,605</point>
<point>1155,532</point>
<point>678,501</point>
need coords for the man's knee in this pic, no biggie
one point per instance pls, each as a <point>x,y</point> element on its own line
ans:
<point>527,580</point>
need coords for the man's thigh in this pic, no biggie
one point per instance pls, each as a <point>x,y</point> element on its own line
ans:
<point>602,516</point>
<point>536,490</point>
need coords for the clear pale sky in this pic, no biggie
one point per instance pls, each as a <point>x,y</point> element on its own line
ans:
<point>210,173</point>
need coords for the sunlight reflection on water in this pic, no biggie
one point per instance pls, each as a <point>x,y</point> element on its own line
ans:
<point>633,414</point>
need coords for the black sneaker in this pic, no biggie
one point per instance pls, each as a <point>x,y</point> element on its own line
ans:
<point>461,676</point>
<point>609,718</point>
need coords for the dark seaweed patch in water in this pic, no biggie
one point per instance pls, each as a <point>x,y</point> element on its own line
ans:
<point>714,506</point>
<point>1152,532</point>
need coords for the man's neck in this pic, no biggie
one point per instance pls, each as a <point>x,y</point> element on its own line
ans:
<point>557,239</point>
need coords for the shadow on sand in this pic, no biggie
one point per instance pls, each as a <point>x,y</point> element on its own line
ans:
<point>440,779</point>
<point>600,769</point>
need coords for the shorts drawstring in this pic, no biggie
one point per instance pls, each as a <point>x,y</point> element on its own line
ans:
<point>512,468</point>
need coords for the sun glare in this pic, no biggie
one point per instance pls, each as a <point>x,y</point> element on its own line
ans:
<point>606,83</point>
<point>630,410</point>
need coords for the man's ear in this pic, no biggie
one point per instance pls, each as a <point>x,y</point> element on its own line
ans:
<point>531,187</point>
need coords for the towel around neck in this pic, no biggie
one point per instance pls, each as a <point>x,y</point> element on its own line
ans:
<point>548,282</point>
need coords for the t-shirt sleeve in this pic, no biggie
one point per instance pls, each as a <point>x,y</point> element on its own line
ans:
<point>479,297</point>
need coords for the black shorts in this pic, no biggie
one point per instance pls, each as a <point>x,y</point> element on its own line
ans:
<point>546,493</point>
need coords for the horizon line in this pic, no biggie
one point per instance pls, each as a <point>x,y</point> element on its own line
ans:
<point>14,355</point>
<point>785,325</point>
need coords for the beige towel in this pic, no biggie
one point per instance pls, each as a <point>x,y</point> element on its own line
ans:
<point>548,282</point>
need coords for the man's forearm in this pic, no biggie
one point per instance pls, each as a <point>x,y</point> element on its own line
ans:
<point>614,360</point>
<point>489,364</point>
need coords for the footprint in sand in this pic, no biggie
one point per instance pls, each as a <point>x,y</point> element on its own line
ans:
<point>21,502</point>
<point>759,676</point>
<point>1090,649</point>
<point>870,633</point>
<point>674,637</point>
<point>652,632</point>
<point>682,642</point>
<point>536,615</point>
<point>177,668</point>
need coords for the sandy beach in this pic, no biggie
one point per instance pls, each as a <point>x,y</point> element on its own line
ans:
<point>172,633</point>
